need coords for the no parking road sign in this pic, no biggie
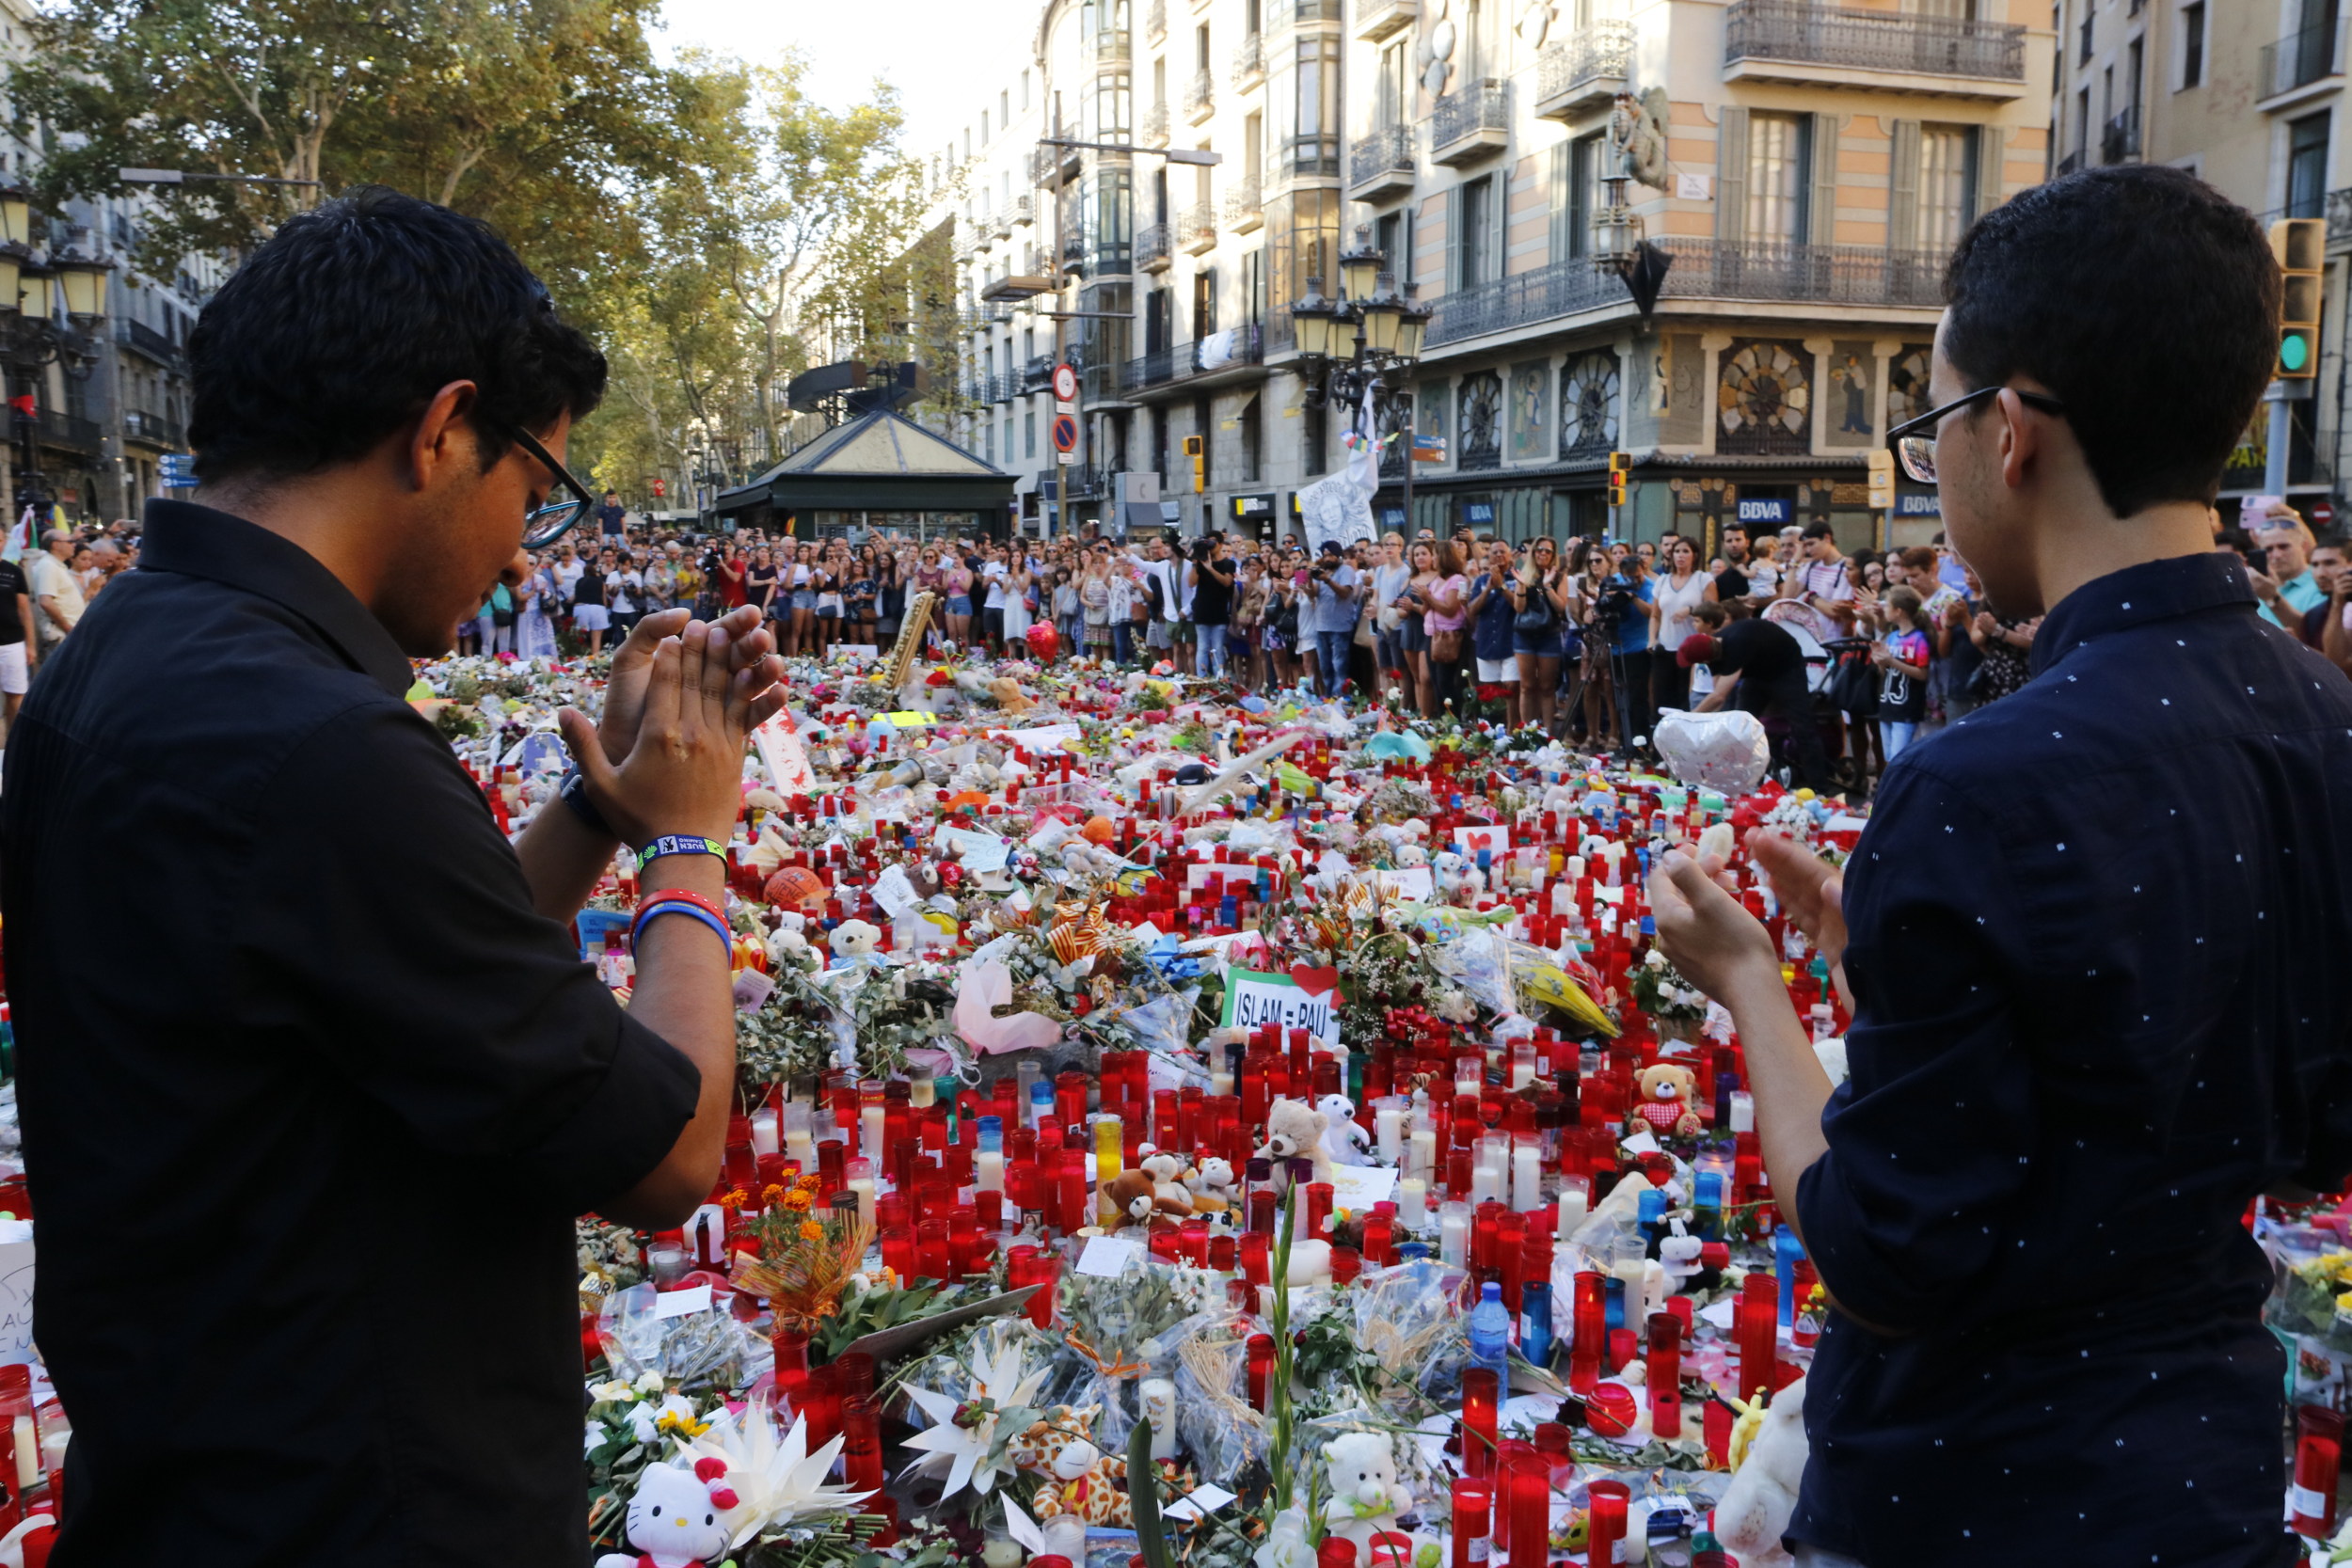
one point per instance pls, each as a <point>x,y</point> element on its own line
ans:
<point>1065,432</point>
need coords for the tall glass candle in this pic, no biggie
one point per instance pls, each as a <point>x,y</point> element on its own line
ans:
<point>1479,1409</point>
<point>2318,1453</point>
<point>1529,1481</point>
<point>1472,1505</point>
<point>1412,1202</point>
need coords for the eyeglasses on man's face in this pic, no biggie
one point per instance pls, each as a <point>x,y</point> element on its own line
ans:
<point>568,502</point>
<point>1913,440</point>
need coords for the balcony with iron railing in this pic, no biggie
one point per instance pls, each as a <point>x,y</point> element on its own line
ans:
<point>1378,20</point>
<point>1195,228</point>
<point>1023,210</point>
<point>1471,124</point>
<point>2071,162</point>
<point>157,346</point>
<point>1036,372</point>
<point>61,429</point>
<point>1766,270</point>
<point>1155,125</point>
<point>1584,70</point>
<point>2119,139</point>
<point>1249,63</point>
<point>1043,163</point>
<point>1154,245</point>
<point>1380,166</point>
<point>1801,41</point>
<point>2339,210</point>
<point>1201,99</point>
<point>152,429</point>
<point>2301,59</point>
<point>1245,209</point>
<point>1233,353</point>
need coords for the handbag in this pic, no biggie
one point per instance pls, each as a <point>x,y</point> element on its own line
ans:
<point>1538,614</point>
<point>1446,647</point>
<point>1853,686</point>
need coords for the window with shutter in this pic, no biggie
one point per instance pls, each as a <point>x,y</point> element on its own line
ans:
<point>1902,191</point>
<point>1556,188</point>
<point>1992,148</point>
<point>1821,200</point>
<point>1731,176</point>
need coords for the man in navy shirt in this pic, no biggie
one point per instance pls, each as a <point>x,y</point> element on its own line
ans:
<point>2077,939</point>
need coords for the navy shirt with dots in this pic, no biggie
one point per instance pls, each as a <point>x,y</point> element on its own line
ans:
<point>2098,949</point>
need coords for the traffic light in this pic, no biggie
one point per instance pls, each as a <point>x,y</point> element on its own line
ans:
<point>1881,479</point>
<point>2300,245</point>
<point>1194,449</point>
<point>1619,464</point>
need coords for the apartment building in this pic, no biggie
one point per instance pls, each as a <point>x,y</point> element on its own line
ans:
<point>1808,166</point>
<point>109,390</point>
<point>2247,96</point>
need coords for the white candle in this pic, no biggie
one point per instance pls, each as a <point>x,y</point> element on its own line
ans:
<point>1389,1127</point>
<point>1527,1179</point>
<point>1486,1184</point>
<point>1220,1083</point>
<point>871,1119</point>
<point>1424,1153</point>
<point>1574,1205</point>
<point>764,1132</point>
<point>988,1170</point>
<point>1742,1111</point>
<point>27,1453</point>
<point>1412,1202</point>
<point>1454,1234</point>
<point>801,1150</point>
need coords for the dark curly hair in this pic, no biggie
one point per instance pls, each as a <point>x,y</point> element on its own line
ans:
<point>352,316</point>
<point>2145,300</point>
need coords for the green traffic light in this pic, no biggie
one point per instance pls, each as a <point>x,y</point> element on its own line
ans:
<point>2294,351</point>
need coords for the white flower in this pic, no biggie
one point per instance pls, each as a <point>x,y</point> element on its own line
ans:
<point>1657,959</point>
<point>609,1393</point>
<point>649,1383</point>
<point>998,1376</point>
<point>774,1484</point>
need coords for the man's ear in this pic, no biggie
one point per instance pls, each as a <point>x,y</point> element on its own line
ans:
<point>443,435</point>
<point>2020,438</point>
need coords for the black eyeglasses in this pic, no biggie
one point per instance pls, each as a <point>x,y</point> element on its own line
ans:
<point>543,524</point>
<point>1917,451</point>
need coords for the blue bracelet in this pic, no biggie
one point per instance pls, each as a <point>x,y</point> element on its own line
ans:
<point>648,912</point>
<point>679,844</point>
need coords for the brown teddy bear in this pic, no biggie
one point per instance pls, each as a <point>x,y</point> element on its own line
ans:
<point>1133,1197</point>
<point>1665,1103</point>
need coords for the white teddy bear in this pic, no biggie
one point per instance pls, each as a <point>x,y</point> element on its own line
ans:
<point>1344,1139</point>
<point>788,944</point>
<point>854,942</point>
<point>1366,1496</point>
<point>674,1518</point>
<point>1763,1491</point>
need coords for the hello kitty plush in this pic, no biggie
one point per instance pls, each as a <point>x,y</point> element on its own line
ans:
<point>674,1520</point>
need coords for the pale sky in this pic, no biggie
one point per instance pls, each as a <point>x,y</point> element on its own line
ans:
<point>946,59</point>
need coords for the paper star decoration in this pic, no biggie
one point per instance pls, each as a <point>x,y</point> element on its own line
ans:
<point>964,1432</point>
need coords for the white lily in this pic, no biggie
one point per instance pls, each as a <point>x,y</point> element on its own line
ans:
<point>1000,1377</point>
<point>774,1484</point>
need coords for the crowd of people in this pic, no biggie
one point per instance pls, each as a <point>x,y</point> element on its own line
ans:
<point>1586,640</point>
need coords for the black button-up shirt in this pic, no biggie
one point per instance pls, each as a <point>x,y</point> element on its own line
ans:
<point>310,1093</point>
<point>2098,938</point>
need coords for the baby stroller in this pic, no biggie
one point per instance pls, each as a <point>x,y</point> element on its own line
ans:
<point>1822,658</point>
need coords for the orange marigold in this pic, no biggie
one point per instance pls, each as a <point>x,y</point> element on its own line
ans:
<point>812,1231</point>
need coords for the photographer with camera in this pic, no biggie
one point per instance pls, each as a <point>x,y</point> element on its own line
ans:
<point>1621,618</point>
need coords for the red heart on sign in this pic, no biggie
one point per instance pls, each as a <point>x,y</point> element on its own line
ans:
<point>1314,981</point>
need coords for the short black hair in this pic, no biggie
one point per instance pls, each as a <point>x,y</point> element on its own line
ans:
<point>1818,528</point>
<point>347,321</point>
<point>2145,300</point>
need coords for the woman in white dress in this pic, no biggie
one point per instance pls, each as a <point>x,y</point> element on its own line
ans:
<point>534,630</point>
<point>1018,583</point>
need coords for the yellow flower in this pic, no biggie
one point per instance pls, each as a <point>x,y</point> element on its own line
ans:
<point>769,1193</point>
<point>812,1231</point>
<point>673,1421</point>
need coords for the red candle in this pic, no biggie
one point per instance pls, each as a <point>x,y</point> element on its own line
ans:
<point>2318,1452</point>
<point>1479,1395</point>
<point>1336,1551</point>
<point>1471,1505</point>
<point>1530,1484</point>
<point>1589,1332</point>
<point>1759,1331</point>
<point>791,1351</point>
<point>1665,1374</point>
<point>1609,1499</point>
<point>1319,1194</point>
<point>1260,1353</point>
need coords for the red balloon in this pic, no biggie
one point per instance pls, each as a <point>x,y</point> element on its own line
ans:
<point>1044,640</point>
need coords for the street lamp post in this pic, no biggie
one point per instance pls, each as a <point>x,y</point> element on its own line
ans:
<point>1387,329</point>
<point>34,288</point>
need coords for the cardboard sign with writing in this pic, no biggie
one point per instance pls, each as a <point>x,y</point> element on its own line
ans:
<point>1254,1000</point>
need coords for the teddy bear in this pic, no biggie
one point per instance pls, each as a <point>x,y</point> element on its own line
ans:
<point>1679,1252</point>
<point>788,944</point>
<point>1344,1139</point>
<point>1294,1128</point>
<point>1212,1186</point>
<point>1009,695</point>
<point>1450,870</point>
<point>1763,1490</point>
<point>674,1520</point>
<point>1133,1197</point>
<point>1665,1103</point>
<point>854,942</point>
<point>1366,1496</point>
<point>1170,1194</point>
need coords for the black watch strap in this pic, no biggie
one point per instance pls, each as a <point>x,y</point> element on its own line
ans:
<point>575,794</point>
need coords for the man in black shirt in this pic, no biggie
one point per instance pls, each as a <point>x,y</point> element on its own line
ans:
<point>611,518</point>
<point>1732,581</point>
<point>2076,937</point>
<point>1759,669</point>
<point>306,1188</point>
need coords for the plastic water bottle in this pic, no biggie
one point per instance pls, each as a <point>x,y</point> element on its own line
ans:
<point>1535,1321</point>
<point>1490,1334</point>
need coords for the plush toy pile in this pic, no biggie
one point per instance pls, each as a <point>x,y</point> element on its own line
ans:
<point>1208,1129</point>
